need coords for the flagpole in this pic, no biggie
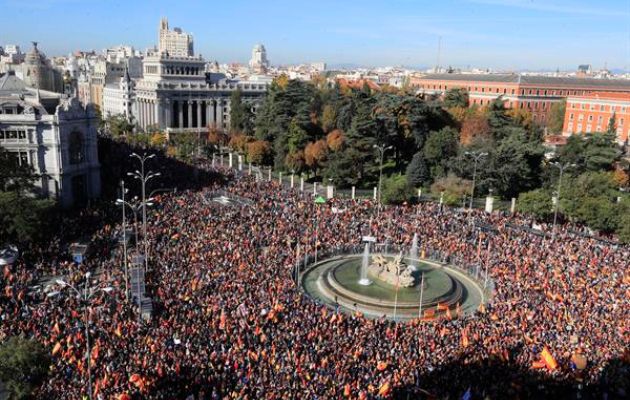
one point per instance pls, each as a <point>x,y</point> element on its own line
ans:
<point>297,266</point>
<point>421,292</point>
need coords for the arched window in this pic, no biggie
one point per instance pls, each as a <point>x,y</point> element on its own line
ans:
<point>75,147</point>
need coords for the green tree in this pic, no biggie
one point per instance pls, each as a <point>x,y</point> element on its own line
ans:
<point>439,148</point>
<point>498,117</point>
<point>456,97</point>
<point>240,113</point>
<point>118,125</point>
<point>536,203</point>
<point>418,171</point>
<point>396,190</point>
<point>599,213</point>
<point>515,166</point>
<point>555,120</point>
<point>24,365</point>
<point>329,118</point>
<point>623,229</point>
<point>453,187</point>
<point>612,127</point>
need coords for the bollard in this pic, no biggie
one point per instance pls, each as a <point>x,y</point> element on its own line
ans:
<point>419,194</point>
<point>301,184</point>
<point>240,162</point>
<point>513,207</point>
<point>375,192</point>
<point>315,188</point>
<point>269,179</point>
<point>353,192</point>
<point>441,198</point>
<point>292,177</point>
<point>230,161</point>
<point>330,191</point>
<point>250,168</point>
<point>489,204</point>
<point>280,178</point>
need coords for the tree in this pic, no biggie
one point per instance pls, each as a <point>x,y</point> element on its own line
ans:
<point>24,365</point>
<point>453,187</point>
<point>497,116</point>
<point>258,151</point>
<point>536,203</point>
<point>474,126</point>
<point>521,117</point>
<point>515,166</point>
<point>456,97</point>
<point>623,229</point>
<point>238,113</point>
<point>23,219</point>
<point>329,118</point>
<point>315,154</point>
<point>600,152</point>
<point>439,148</point>
<point>395,190</point>
<point>598,213</point>
<point>295,161</point>
<point>335,140</point>
<point>118,125</point>
<point>555,119</point>
<point>418,171</point>
<point>15,177</point>
<point>612,126</point>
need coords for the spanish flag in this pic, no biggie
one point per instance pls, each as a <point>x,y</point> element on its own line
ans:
<point>548,359</point>
<point>346,390</point>
<point>384,389</point>
<point>56,349</point>
<point>381,366</point>
<point>465,341</point>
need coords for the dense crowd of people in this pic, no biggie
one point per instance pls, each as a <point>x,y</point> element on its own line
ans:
<point>229,321</point>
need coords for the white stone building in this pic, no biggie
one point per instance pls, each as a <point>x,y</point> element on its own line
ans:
<point>117,98</point>
<point>176,94</point>
<point>175,42</point>
<point>259,62</point>
<point>54,134</point>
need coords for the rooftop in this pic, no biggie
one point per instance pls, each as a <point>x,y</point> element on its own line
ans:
<point>623,84</point>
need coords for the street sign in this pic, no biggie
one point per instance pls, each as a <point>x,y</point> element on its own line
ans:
<point>371,239</point>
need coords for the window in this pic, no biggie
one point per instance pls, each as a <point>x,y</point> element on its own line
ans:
<point>620,121</point>
<point>75,148</point>
<point>599,119</point>
<point>590,118</point>
<point>571,117</point>
<point>588,128</point>
<point>601,108</point>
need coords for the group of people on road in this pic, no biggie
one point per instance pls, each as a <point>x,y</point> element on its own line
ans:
<point>230,322</point>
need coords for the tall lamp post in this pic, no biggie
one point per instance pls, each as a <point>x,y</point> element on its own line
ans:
<point>85,296</point>
<point>134,208</point>
<point>381,148</point>
<point>561,167</point>
<point>476,155</point>
<point>144,177</point>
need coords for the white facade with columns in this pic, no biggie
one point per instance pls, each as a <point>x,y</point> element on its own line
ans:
<point>176,96</point>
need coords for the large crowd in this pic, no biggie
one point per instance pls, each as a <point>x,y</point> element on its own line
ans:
<point>229,321</point>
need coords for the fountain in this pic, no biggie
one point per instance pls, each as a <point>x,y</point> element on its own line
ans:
<point>413,253</point>
<point>365,281</point>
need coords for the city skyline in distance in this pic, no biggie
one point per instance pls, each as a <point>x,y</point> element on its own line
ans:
<point>498,34</point>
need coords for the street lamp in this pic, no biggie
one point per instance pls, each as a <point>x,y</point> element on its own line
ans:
<point>122,202</point>
<point>85,296</point>
<point>381,148</point>
<point>561,167</point>
<point>476,155</point>
<point>144,177</point>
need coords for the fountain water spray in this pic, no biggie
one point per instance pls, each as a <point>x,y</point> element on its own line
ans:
<point>413,253</point>
<point>365,281</point>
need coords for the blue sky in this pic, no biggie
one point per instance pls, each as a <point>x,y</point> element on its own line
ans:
<point>504,34</point>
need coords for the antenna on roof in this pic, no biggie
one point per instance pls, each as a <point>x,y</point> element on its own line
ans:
<point>439,53</point>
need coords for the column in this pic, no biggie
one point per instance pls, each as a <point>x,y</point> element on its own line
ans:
<point>142,112</point>
<point>220,113</point>
<point>167,113</point>
<point>180,110</point>
<point>158,113</point>
<point>208,120</point>
<point>199,119</point>
<point>190,120</point>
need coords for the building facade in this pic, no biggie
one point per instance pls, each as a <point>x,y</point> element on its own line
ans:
<point>177,95</point>
<point>592,113</point>
<point>259,62</point>
<point>175,42</point>
<point>535,93</point>
<point>117,98</point>
<point>54,134</point>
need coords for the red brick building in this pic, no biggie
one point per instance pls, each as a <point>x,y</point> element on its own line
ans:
<point>534,93</point>
<point>592,113</point>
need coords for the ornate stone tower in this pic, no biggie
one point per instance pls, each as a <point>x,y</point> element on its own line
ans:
<point>36,73</point>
